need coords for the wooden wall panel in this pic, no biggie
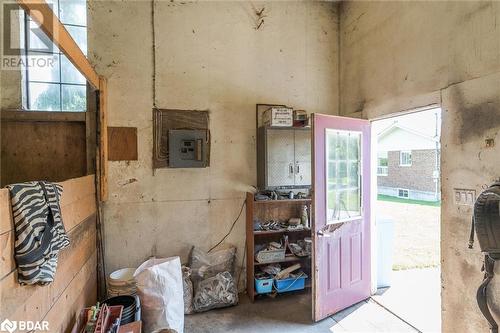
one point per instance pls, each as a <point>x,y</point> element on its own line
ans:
<point>122,144</point>
<point>52,151</point>
<point>75,284</point>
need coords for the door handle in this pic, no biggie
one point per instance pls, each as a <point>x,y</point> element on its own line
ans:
<point>320,233</point>
<point>297,168</point>
<point>291,168</point>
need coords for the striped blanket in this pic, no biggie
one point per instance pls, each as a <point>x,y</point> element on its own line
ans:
<point>39,231</point>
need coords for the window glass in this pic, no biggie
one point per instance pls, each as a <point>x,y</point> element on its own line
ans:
<point>343,175</point>
<point>73,97</point>
<point>43,67</point>
<point>79,34</point>
<point>69,73</point>
<point>405,158</point>
<point>44,96</point>
<point>403,193</point>
<point>73,12</point>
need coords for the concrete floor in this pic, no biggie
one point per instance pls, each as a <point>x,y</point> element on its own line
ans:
<point>415,296</point>
<point>292,313</point>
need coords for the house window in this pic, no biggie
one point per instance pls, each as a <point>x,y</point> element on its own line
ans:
<point>382,164</point>
<point>56,85</point>
<point>403,193</point>
<point>405,158</point>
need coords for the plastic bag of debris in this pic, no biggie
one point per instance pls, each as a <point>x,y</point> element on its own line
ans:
<point>159,286</point>
<point>206,265</point>
<point>215,292</point>
<point>187,285</point>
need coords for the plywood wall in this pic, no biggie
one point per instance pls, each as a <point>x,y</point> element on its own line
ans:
<point>45,150</point>
<point>75,283</point>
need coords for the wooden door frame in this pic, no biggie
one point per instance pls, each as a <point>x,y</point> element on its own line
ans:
<point>57,33</point>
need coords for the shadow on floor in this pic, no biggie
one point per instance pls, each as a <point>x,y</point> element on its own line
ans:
<point>292,313</point>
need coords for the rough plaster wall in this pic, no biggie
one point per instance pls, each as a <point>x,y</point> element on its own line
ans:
<point>209,56</point>
<point>398,55</point>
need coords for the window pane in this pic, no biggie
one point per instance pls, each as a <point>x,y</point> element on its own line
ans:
<point>342,146</point>
<point>74,98</point>
<point>69,72</point>
<point>79,34</point>
<point>53,4</point>
<point>43,67</point>
<point>44,97</point>
<point>353,174</point>
<point>353,148</point>
<point>38,40</point>
<point>73,12</point>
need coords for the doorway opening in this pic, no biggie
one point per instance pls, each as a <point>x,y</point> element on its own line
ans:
<point>407,217</point>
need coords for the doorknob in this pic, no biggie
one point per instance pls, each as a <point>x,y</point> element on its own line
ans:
<point>320,233</point>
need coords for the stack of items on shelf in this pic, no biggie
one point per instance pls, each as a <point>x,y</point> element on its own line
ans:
<point>278,195</point>
<point>274,279</point>
<point>282,116</point>
<point>293,224</point>
<point>275,252</point>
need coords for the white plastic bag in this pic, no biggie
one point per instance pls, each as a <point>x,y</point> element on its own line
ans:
<point>159,286</point>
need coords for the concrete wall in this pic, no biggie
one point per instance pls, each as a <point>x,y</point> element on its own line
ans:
<point>209,56</point>
<point>399,55</point>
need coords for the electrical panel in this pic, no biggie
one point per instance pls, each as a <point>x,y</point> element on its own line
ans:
<point>187,148</point>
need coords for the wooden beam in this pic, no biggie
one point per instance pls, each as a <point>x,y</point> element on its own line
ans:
<point>45,116</point>
<point>103,138</point>
<point>41,13</point>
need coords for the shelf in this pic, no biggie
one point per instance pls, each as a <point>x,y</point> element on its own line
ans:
<point>270,202</point>
<point>289,258</point>
<point>273,232</point>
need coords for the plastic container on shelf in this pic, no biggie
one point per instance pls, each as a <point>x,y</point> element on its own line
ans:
<point>263,286</point>
<point>291,283</point>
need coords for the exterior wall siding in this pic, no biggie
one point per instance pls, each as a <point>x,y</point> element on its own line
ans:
<point>417,177</point>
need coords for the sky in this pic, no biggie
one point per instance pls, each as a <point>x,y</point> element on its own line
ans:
<point>423,122</point>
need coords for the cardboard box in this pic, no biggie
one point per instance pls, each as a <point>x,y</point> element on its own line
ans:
<point>278,117</point>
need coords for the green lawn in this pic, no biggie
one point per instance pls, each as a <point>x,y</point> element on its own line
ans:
<point>381,197</point>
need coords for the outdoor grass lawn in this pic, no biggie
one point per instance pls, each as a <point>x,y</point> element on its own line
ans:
<point>382,197</point>
<point>416,232</point>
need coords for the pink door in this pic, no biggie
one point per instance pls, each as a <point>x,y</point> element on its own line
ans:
<point>341,194</point>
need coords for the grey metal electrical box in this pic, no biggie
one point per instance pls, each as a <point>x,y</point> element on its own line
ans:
<point>187,148</point>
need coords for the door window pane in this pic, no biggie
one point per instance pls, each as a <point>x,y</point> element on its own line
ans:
<point>343,151</point>
<point>44,97</point>
<point>73,98</point>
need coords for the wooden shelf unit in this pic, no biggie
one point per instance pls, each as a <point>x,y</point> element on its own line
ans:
<point>281,210</point>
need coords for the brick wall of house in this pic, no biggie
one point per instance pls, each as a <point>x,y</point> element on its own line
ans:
<point>418,176</point>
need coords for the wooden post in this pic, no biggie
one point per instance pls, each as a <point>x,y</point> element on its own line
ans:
<point>103,138</point>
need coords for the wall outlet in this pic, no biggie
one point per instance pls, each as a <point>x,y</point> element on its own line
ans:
<point>465,197</point>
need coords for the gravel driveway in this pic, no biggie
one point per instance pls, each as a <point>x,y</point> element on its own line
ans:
<point>417,233</point>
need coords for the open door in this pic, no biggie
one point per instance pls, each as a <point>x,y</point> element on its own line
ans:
<point>341,214</point>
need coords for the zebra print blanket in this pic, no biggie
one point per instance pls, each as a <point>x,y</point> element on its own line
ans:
<point>39,231</point>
